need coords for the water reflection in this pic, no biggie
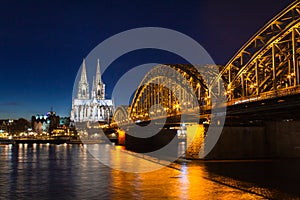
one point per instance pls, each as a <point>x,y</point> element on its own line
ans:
<point>41,171</point>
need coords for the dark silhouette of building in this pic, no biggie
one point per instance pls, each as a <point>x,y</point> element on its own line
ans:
<point>45,123</point>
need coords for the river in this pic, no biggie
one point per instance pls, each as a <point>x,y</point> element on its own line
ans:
<point>71,171</point>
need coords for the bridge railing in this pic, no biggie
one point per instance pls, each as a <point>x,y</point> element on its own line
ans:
<point>266,95</point>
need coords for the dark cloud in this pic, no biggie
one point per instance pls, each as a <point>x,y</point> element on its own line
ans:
<point>10,103</point>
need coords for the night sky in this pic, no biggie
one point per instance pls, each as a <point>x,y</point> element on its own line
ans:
<point>42,43</point>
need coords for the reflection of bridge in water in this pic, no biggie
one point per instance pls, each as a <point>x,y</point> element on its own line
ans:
<point>260,87</point>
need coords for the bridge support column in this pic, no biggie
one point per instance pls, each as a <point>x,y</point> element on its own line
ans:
<point>276,139</point>
<point>284,137</point>
<point>194,141</point>
<point>240,143</point>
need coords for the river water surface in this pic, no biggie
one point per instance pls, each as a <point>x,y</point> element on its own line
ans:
<point>46,171</point>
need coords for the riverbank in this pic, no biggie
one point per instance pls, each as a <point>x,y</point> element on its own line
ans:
<point>54,141</point>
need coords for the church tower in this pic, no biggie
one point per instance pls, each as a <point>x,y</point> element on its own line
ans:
<point>99,85</point>
<point>91,107</point>
<point>83,86</point>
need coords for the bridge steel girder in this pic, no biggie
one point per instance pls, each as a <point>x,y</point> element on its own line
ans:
<point>165,85</point>
<point>121,116</point>
<point>268,63</point>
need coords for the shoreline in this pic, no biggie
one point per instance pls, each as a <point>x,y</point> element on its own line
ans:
<point>52,141</point>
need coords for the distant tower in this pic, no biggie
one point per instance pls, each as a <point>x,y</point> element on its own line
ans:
<point>83,86</point>
<point>99,85</point>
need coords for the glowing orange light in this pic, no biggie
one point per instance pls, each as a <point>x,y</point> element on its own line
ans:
<point>121,137</point>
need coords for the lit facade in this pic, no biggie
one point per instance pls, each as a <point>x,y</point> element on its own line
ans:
<point>91,106</point>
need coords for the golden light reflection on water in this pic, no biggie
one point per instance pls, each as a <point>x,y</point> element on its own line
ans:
<point>31,167</point>
<point>126,161</point>
<point>201,186</point>
<point>168,183</point>
<point>177,181</point>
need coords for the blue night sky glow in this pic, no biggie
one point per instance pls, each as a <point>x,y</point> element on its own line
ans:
<point>42,43</point>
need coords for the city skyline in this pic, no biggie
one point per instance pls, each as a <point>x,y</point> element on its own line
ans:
<point>43,44</point>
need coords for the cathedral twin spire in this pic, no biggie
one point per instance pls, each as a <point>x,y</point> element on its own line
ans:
<point>98,89</point>
<point>98,74</point>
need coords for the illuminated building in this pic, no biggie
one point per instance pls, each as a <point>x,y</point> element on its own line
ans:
<point>91,106</point>
<point>45,123</point>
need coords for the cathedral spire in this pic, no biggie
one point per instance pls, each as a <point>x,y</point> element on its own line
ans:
<point>100,87</point>
<point>83,86</point>
<point>98,73</point>
<point>83,77</point>
<point>94,88</point>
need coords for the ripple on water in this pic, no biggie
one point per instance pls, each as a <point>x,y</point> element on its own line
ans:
<point>71,172</point>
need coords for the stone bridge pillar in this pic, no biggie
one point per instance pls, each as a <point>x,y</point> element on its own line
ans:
<point>195,139</point>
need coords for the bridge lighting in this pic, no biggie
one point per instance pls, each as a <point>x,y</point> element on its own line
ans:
<point>290,75</point>
<point>227,92</point>
<point>176,106</point>
<point>251,86</point>
<point>206,122</point>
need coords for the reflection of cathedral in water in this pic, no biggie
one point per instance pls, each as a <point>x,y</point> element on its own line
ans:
<point>92,106</point>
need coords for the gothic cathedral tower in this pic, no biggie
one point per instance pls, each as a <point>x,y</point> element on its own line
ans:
<point>100,86</point>
<point>96,108</point>
<point>83,86</point>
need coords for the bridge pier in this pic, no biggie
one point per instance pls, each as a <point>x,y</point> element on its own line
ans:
<point>194,140</point>
<point>284,138</point>
<point>240,143</point>
<point>275,139</point>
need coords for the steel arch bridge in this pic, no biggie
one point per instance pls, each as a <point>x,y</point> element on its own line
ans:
<point>267,66</point>
<point>268,63</point>
<point>176,88</point>
<point>121,115</point>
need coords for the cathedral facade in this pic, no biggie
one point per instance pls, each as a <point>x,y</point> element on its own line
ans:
<point>91,105</point>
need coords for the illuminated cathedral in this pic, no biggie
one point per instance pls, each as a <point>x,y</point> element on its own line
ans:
<point>91,106</point>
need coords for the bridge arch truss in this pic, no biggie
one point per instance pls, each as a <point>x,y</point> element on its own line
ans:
<point>268,64</point>
<point>173,87</point>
